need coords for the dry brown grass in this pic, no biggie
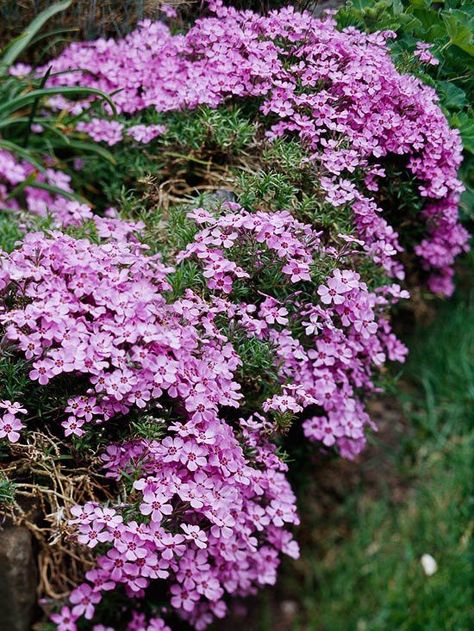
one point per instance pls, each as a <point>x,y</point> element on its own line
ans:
<point>47,486</point>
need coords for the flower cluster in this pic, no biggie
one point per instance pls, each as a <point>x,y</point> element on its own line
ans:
<point>346,335</point>
<point>424,54</point>
<point>208,522</point>
<point>98,312</point>
<point>103,130</point>
<point>338,91</point>
<point>201,513</point>
<point>292,241</point>
<point>205,510</point>
<point>145,133</point>
<point>39,200</point>
<point>10,424</point>
<point>111,132</point>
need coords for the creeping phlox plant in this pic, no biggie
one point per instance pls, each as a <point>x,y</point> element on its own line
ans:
<point>38,200</point>
<point>200,512</point>
<point>339,92</point>
<point>343,338</point>
<point>202,508</point>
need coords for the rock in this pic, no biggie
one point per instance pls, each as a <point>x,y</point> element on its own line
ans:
<point>17,580</point>
<point>289,608</point>
<point>224,195</point>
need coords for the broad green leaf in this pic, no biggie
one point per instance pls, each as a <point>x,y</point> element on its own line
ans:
<point>397,6</point>
<point>459,32</point>
<point>465,124</point>
<point>420,4</point>
<point>452,97</point>
<point>360,5</point>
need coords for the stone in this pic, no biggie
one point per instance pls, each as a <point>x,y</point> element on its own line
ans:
<point>18,579</point>
<point>224,195</point>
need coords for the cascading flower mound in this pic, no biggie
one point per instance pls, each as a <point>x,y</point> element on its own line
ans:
<point>157,379</point>
<point>338,91</point>
<point>211,519</point>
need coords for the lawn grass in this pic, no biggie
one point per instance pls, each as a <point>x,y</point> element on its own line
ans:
<point>364,573</point>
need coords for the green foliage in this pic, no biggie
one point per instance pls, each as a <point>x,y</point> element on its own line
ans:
<point>23,102</point>
<point>283,421</point>
<point>258,373</point>
<point>180,230</point>
<point>197,146</point>
<point>14,379</point>
<point>449,27</point>
<point>9,232</point>
<point>186,276</point>
<point>7,491</point>
<point>442,365</point>
<point>18,45</point>
<point>289,189</point>
<point>375,577</point>
<point>149,427</point>
<point>226,129</point>
<point>270,190</point>
<point>287,181</point>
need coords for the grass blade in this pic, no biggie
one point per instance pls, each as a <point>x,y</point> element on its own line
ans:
<point>82,146</point>
<point>27,99</point>
<point>22,42</point>
<point>35,107</point>
<point>20,151</point>
<point>58,191</point>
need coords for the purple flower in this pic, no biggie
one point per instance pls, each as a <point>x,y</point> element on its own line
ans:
<point>65,619</point>
<point>195,534</point>
<point>156,505</point>
<point>10,427</point>
<point>101,315</point>
<point>131,546</point>
<point>84,600</point>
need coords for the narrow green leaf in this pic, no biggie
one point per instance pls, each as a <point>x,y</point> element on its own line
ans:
<point>21,186</point>
<point>35,107</point>
<point>22,42</point>
<point>47,123</point>
<point>27,99</point>
<point>58,191</point>
<point>20,151</point>
<point>32,182</point>
<point>56,31</point>
<point>91,147</point>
